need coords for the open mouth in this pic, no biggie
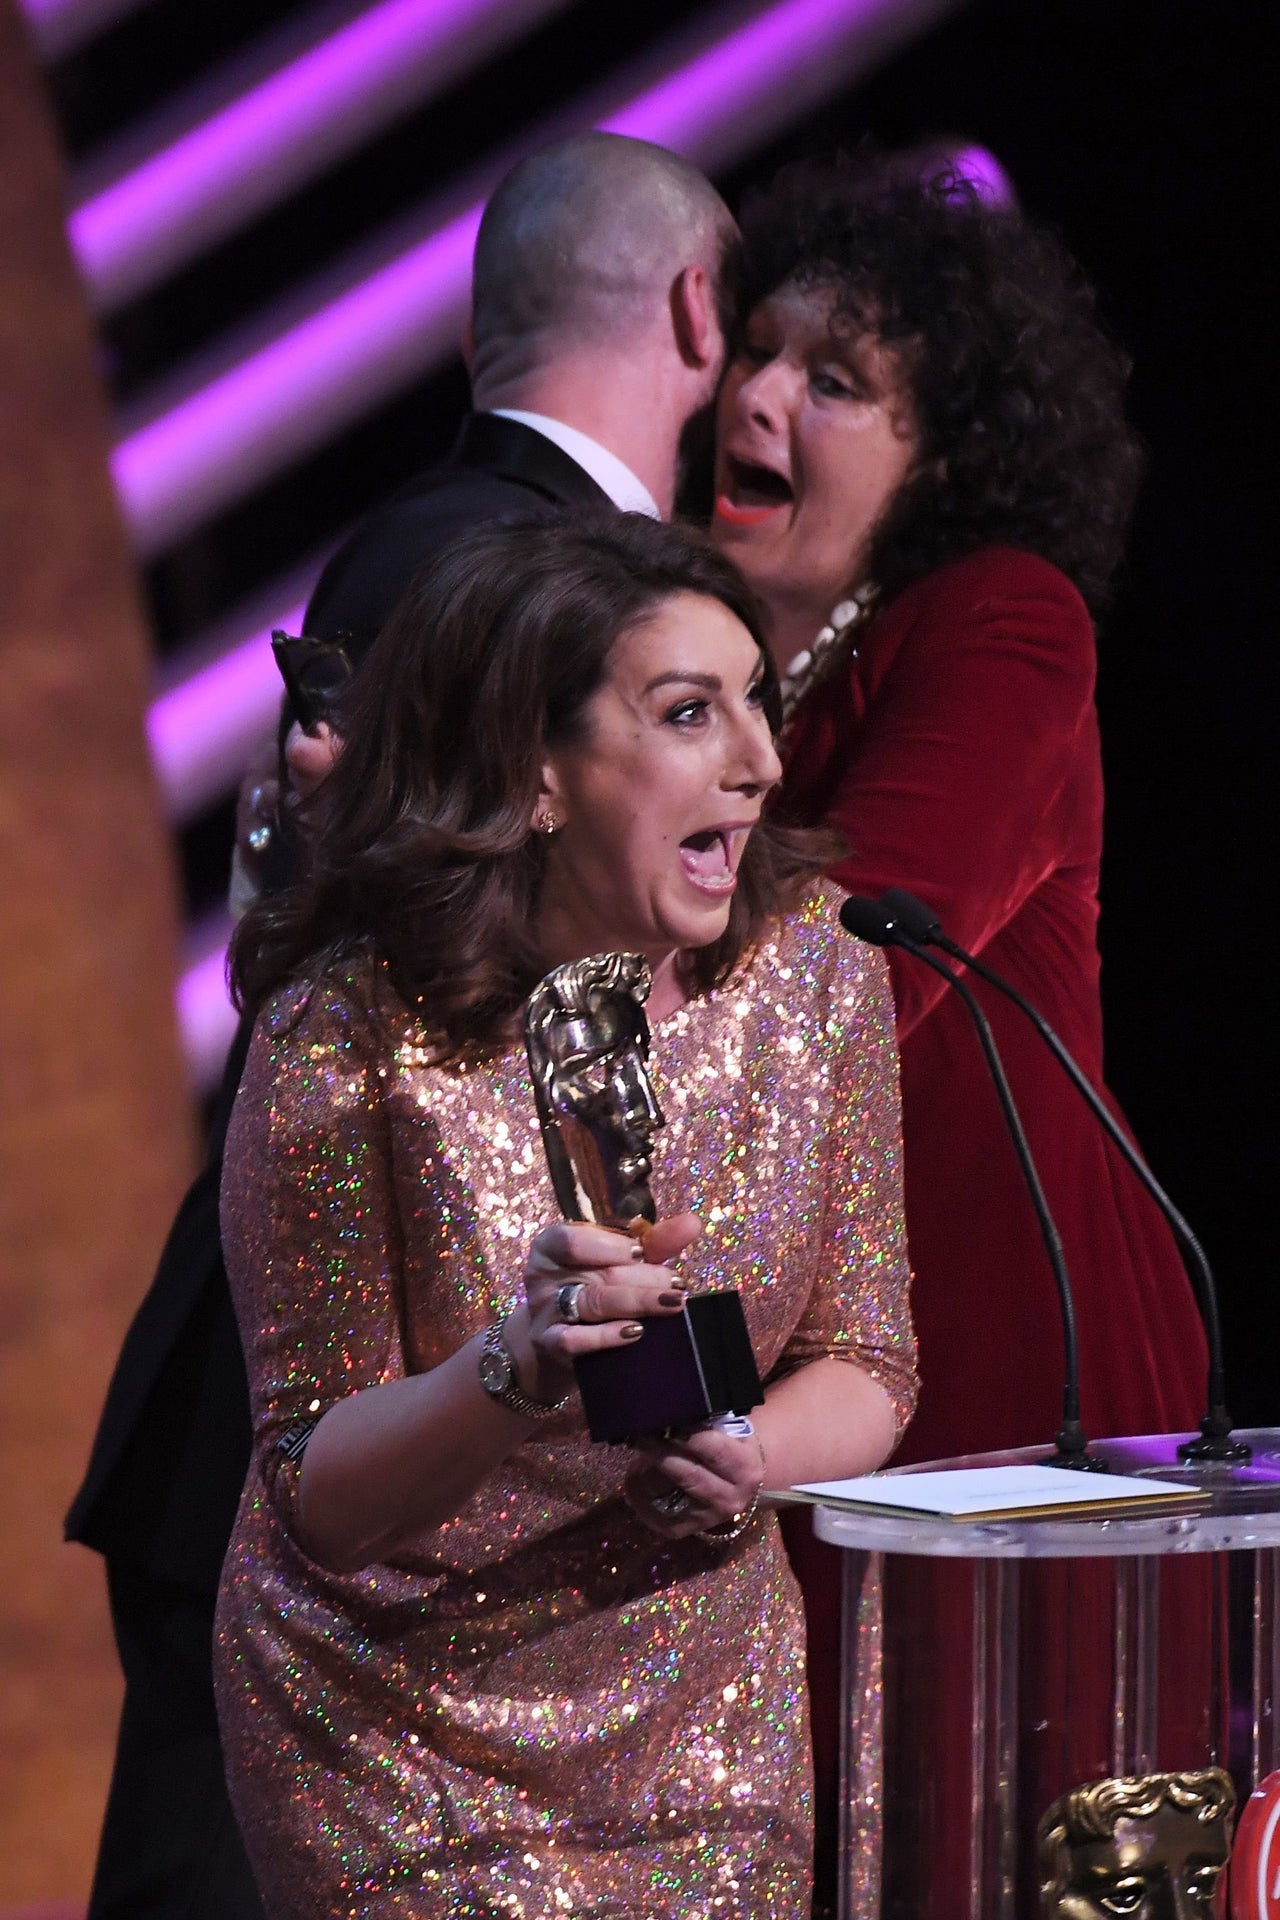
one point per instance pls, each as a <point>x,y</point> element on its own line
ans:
<point>710,858</point>
<point>751,492</point>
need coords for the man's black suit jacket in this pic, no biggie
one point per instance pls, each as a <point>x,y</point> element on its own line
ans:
<point>172,1447</point>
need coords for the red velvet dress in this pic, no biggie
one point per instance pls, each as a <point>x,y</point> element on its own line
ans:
<point>958,754</point>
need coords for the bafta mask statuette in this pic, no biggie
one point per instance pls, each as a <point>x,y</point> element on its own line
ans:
<point>588,1043</point>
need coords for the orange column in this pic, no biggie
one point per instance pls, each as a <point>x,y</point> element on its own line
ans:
<point>95,1123</point>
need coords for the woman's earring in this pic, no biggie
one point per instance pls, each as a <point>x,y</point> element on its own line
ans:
<point>546,822</point>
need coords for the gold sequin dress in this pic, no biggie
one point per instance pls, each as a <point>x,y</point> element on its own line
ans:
<point>541,1710</point>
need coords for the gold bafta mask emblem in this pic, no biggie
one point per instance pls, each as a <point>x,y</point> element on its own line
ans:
<point>1150,1847</point>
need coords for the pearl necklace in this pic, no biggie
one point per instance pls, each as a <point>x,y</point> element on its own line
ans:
<point>816,661</point>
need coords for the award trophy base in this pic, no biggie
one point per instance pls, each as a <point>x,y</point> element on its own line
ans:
<point>688,1368</point>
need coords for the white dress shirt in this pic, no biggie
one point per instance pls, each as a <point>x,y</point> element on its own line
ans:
<point>627,493</point>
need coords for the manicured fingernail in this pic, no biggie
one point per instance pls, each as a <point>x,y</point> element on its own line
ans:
<point>670,1298</point>
<point>632,1330</point>
<point>637,1252</point>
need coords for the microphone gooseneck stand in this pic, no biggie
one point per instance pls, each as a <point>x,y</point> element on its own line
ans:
<point>871,922</point>
<point>907,914</point>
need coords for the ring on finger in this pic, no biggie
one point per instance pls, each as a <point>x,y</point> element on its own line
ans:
<point>567,1298</point>
<point>671,1505</point>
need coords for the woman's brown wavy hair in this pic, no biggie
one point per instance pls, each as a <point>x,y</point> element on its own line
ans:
<point>1018,393</point>
<point>421,853</point>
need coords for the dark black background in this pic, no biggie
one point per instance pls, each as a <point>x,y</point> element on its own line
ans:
<point>1143,132</point>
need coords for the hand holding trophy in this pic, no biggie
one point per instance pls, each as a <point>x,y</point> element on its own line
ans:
<point>588,1041</point>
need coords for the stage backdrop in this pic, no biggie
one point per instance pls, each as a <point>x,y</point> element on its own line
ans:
<point>95,1133</point>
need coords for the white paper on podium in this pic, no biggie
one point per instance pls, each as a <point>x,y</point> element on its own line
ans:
<point>982,1493</point>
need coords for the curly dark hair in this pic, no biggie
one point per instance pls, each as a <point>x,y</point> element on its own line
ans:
<point>1018,393</point>
<point>421,849</point>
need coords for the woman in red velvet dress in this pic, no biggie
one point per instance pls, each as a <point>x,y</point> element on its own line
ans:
<point>923,470</point>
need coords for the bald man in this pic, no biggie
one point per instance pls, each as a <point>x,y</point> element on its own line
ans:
<point>595,345</point>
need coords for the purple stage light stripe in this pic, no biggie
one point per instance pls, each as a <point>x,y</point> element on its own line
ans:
<point>206,1017</point>
<point>281,133</point>
<point>763,77</point>
<point>316,377</point>
<point>294,393</point>
<point>203,729</point>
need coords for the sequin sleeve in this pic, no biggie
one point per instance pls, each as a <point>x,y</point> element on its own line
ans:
<point>858,1309</point>
<point>309,1226</point>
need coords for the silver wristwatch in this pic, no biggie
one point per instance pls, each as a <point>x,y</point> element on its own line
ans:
<point>498,1378</point>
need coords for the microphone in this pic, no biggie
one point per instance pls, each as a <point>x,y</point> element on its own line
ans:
<point>903,911</point>
<point>870,921</point>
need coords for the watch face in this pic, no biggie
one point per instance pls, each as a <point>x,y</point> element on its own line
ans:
<point>495,1370</point>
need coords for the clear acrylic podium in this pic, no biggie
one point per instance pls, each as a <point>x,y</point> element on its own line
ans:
<point>989,1668</point>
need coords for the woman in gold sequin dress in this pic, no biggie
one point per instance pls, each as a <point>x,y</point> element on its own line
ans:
<point>469,1662</point>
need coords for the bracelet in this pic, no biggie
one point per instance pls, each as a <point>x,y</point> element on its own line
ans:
<point>500,1381</point>
<point>736,1524</point>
